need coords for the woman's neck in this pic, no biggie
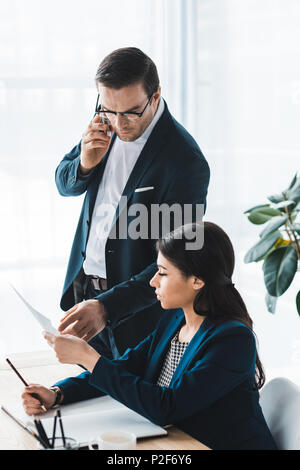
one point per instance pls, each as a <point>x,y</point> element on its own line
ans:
<point>193,321</point>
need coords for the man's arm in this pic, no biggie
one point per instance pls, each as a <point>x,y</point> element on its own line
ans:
<point>129,297</point>
<point>68,179</point>
<point>74,172</point>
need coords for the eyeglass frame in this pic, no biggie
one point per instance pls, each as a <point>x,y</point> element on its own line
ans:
<point>123,114</point>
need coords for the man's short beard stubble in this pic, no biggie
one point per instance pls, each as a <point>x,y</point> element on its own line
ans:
<point>129,138</point>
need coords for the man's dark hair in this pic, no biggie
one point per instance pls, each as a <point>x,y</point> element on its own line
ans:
<point>128,66</point>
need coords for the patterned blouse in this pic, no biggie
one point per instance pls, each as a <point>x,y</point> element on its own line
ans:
<point>172,359</point>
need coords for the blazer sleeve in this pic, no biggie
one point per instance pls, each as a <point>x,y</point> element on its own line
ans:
<point>133,361</point>
<point>129,297</point>
<point>229,361</point>
<point>191,183</point>
<point>68,179</point>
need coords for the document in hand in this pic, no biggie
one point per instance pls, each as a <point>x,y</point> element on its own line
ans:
<point>42,319</point>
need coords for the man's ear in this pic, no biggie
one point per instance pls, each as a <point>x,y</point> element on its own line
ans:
<point>198,283</point>
<point>157,94</point>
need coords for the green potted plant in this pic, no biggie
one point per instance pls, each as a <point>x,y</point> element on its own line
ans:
<point>279,243</point>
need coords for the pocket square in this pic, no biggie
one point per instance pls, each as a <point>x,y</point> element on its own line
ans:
<point>147,188</point>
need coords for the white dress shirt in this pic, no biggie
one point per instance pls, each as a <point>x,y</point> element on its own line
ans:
<point>121,161</point>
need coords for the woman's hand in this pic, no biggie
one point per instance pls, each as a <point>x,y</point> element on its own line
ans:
<point>45,396</point>
<point>72,350</point>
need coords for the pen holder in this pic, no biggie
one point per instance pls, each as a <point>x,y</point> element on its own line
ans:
<point>70,444</point>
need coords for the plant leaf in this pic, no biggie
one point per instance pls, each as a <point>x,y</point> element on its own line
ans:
<point>282,205</point>
<point>270,302</point>
<point>261,247</point>
<point>279,269</point>
<point>294,193</point>
<point>293,182</point>
<point>256,207</point>
<point>297,228</point>
<point>298,302</point>
<point>280,242</point>
<point>273,225</point>
<point>261,216</point>
<point>276,198</point>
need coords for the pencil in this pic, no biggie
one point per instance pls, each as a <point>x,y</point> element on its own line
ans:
<point>24,382</point>
<point>61,428</point>
<point>18,373</point>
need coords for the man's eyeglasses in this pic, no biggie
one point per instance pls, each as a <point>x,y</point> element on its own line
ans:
<point>112,115</point>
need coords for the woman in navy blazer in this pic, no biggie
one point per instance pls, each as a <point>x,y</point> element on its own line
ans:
<point>199,369</point>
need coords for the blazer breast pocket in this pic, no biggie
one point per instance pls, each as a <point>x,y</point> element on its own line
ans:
<point>142,190</point>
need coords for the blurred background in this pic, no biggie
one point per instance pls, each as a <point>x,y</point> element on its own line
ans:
<point>230,73</point>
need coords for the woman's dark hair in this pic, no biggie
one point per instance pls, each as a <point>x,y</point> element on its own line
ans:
<point>218,299</point>
<point>127,66</point>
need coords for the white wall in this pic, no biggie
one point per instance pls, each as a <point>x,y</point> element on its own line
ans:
<point>248,125</point>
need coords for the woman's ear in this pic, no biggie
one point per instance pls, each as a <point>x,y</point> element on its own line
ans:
<point>198,283</point>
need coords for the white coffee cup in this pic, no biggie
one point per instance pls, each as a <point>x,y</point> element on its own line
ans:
<point>114,440</point>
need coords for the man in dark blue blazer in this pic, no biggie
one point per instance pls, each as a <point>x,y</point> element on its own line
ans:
<point>134,156</point>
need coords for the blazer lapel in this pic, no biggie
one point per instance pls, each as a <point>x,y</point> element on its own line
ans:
<point>191,350</point>
<point>156,361</point>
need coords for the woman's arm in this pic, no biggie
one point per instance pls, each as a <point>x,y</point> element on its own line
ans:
<point>229,361</point>
<point>70,349</point>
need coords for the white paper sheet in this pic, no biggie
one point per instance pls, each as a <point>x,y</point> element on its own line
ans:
<point>44,322</point>
<point>89,418</point>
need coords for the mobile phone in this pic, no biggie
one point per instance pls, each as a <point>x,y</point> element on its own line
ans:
<point>107,122</point>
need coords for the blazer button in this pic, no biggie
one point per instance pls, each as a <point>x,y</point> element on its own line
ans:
<point>110,251</point>
<point>83,254</point>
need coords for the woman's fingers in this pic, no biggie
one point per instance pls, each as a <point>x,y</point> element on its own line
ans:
<point>30,400</point>
<point>32,405</point>
<point>49,337</point>
<point>33,410</point>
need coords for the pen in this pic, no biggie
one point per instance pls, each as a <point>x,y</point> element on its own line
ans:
<point>61,427</point>
<point>24,381</point>
<point>54,429</point>
<point>41,431</point>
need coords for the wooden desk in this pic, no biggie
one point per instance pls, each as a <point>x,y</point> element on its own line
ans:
<point>43,367</point>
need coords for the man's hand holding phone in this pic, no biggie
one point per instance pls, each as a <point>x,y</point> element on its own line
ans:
<point>94,144</point>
